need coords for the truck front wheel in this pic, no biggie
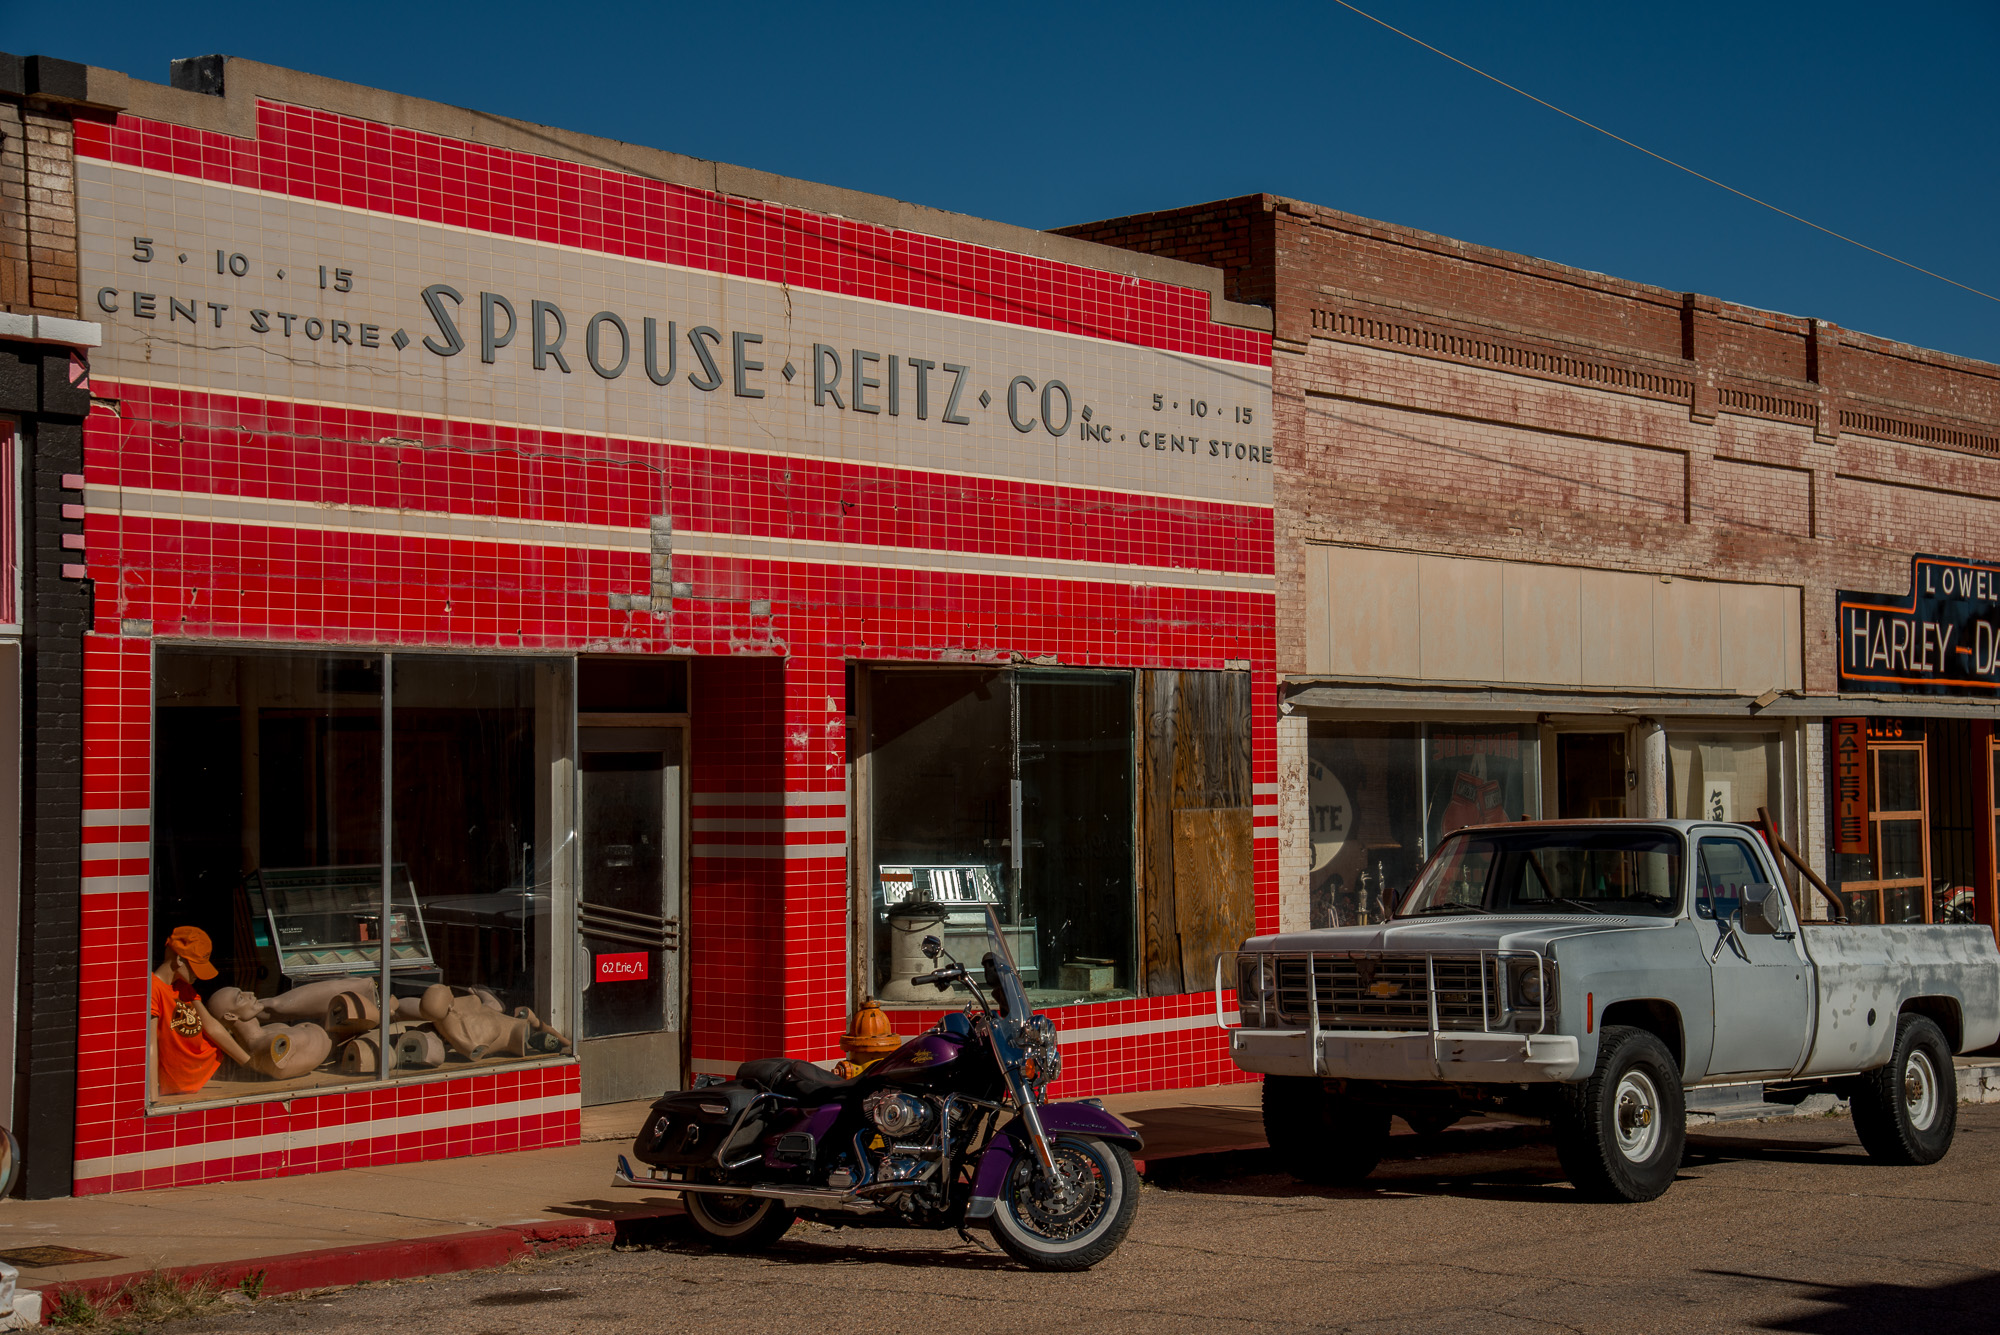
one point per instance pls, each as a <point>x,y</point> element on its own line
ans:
<point>1620,1133</point>
<point>1906,1112</point>
<point>1322,1138</point>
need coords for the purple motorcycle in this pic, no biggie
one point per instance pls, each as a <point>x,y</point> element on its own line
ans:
<point>950,1130</point>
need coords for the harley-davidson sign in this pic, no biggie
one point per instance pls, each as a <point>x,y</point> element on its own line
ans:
<point>1941,638</point>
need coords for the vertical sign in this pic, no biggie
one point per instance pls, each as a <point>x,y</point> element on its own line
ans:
<point>1850,785</point>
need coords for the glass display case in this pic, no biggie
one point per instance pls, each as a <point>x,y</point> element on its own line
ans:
<point>326,922</point>
<point>956,892</point>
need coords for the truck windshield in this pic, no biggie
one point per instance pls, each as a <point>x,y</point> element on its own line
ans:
<point>1625,871</point>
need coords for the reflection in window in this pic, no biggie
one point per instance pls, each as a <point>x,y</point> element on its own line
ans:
<point>268,842</point>
<point>1382,795</point>
<point>1009,788</point>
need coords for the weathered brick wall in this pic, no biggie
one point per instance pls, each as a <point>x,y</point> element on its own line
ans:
<point>38,185</point>
<point>1233,235</point>
<point>1439,396</point>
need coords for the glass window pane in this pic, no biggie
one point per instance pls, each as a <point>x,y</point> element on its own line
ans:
<point>1720,776</point>
<point>267,849</point>
<point>477,847</point>
<point>1364,786</point>
<point>1900,782</point>
<point>1481,774</point>
<point>1075,893</point>
<point>1902,843</point>
<point>625,852</point>
<point>941,776</point>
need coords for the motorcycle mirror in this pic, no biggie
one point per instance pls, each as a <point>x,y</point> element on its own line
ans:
<point>932,947</point>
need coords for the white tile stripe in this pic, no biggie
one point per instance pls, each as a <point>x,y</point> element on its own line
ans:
<point>1264,789</point>
<point>304,516</point>
<point>724,824</point>
<point>1203,1019</point>
<point>124,885</point>
<point>1264,832</point>
<point>835,798</point>
<point>772,851</point>
<point>100,852</point>
<point>94,819</point>
<point>306,1138</point>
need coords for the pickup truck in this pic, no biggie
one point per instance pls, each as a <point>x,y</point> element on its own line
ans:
<point>1589,973</point>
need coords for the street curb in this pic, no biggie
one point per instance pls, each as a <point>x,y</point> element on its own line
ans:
<point>408,1258</point>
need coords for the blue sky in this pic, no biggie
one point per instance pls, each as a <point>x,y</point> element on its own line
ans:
<point>1877,122</point>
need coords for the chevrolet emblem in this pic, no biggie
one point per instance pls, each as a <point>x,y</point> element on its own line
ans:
<point>1384,989</point>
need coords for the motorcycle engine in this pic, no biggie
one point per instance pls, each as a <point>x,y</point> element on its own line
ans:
<point>897,1116</point>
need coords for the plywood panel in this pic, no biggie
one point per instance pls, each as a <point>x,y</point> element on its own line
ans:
<point>1616,635</point>
<point>1541,610</point>
<point>1461,619</point>
<point>1372,613</point>
<point>1687,639</point>
<point>1195,758</point>
<point>1214,904</point>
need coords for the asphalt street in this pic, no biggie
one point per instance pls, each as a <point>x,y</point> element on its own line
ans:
<point>1776,1226</point>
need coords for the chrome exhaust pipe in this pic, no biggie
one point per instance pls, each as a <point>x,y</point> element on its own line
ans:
<point>824,1198</point>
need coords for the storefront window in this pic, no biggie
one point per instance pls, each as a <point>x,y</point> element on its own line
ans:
<point>1724,777</point>
<point>1010,788</point>
<point>1887,877</point>
<point>1383,794</point>
<point>268,866</point>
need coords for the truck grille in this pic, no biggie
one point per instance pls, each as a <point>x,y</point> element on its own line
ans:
<point>1386,991</point>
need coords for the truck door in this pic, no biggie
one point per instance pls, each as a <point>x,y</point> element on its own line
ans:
<point>1763,998</point>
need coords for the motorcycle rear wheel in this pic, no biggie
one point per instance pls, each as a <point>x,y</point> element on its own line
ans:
<point>1046,1233</point>
<point>737,1223</point>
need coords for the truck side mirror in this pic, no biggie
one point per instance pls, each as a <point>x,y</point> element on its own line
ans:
<point>1762,915</point>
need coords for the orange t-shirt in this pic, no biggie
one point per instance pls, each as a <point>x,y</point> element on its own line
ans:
<point>187,1059</point>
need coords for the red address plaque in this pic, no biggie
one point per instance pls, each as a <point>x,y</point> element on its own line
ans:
<point>624,968</point>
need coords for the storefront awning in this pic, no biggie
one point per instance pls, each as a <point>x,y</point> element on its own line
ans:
<point>1348,695</point>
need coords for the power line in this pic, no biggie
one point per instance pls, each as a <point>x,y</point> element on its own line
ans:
<point>1743,194</point>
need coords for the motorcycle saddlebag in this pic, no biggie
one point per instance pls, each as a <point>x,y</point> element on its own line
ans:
<point>683,1130</point>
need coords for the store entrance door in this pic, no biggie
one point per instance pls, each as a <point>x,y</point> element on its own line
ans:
<point>628,912</point>
<point>1591,770</point>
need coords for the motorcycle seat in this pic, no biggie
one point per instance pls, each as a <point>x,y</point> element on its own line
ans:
<point>791,1078</point>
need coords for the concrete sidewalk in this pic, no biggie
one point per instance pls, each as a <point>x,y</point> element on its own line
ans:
<point>360,1224</point>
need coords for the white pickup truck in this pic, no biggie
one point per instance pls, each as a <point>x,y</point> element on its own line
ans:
<point>1588,972</point>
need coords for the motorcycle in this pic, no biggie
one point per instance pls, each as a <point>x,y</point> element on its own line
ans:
<point>950,1130</point>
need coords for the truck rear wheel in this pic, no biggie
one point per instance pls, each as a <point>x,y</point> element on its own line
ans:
<point>1620,1133</point>
<point>1319,1137</point>
<point>1907,1112</point>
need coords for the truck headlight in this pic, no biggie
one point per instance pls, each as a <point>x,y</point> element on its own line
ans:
<point>1250,990</point>
<point>1532,984</point>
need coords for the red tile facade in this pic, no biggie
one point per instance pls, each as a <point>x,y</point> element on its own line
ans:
<point>348,549</point>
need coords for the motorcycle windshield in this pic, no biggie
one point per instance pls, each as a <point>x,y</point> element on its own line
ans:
<point>1016,1001</point>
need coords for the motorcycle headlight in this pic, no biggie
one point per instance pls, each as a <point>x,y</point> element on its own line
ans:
<point>1250,990</point>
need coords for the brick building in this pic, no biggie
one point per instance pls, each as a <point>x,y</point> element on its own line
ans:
<point>1552,543</point>
<point>535,587</point>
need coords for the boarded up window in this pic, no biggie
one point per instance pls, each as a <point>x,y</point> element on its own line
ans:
<point>1194,826</point>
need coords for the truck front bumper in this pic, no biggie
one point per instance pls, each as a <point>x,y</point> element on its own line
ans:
<point>1370,1055</point>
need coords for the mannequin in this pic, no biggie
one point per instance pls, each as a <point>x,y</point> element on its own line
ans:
<point>419,1049</point>
<point>189,1043</point>
<point>352,1012</point>
<point>475,1029</point>
<point>309,1001</point>
<point>279,1051</point>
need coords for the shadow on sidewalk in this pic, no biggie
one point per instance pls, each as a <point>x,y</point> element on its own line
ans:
<point>1957,1308</point>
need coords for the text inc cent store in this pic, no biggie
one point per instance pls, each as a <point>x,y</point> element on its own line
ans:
<point>567,617</point>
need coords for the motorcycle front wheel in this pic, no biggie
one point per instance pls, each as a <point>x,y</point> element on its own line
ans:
<point>737,1223</point>
<point>1073,1227</point>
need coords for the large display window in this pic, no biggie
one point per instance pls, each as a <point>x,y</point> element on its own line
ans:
<point>1382,795</point>
<point>289,860</point>
<point>1013,788</point>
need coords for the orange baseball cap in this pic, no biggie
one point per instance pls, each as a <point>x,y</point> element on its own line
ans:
<point>192,945</point>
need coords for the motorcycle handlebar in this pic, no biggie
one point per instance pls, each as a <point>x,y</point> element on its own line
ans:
<point>943,978</point>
